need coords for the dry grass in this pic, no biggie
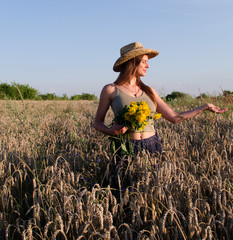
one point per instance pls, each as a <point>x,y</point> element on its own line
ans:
<point>55,170</point>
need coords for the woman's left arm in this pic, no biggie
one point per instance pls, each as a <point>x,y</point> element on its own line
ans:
<point>169,114</point>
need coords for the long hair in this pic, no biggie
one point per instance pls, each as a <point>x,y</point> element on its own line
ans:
<point>127,72</point>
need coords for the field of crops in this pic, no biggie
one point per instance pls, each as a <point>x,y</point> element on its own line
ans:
<point>55,173</point>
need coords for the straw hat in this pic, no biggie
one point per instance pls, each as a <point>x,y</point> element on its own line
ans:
<point>133,50</point>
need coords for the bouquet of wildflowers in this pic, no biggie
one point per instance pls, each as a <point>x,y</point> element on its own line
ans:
<point>135,116</point>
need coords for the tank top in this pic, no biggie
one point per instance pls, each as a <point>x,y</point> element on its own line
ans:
<point>121,99</point>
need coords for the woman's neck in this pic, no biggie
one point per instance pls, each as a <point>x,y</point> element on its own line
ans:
<point>132,82</point>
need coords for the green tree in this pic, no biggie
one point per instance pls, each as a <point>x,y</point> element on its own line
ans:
<point>65,97</point>
<point>84,96</point>
<point>48,96</point>
<point>14,90</point>
<point>27,91</point>
<point>175,95</point>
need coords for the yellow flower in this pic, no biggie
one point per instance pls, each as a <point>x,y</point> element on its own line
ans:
<point>132,110</point>
<point>141,117</point>
<point>133,107</point>
<point>157,116</point>
<point>147,112</point>
<point>143,103</point>
<point>133,104</point>
<point>127,116</point>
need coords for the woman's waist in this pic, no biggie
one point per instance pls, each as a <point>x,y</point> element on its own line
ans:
<point>141,135</point>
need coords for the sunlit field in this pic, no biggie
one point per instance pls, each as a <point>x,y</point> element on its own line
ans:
<point>55,175</point>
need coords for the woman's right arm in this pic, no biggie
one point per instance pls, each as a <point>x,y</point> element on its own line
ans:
<point>106,96</point>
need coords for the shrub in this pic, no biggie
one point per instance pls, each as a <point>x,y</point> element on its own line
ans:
<point>27,91</point>
<point>84,96</point>
<point>175,95</point>
<point>48,96</point>
<point>8,91</point>
<point>203,96</point>
<point>65,97</point>
<point>227,93</point>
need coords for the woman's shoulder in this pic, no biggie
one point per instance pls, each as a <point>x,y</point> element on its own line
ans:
<point>151,88</point>
<point>154,91</point>
<point>109,88</point>
<point>109,91</point>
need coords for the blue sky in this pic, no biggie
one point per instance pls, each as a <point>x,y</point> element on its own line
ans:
<point>70,46</point>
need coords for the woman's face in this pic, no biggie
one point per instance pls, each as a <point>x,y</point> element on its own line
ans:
<point>143,66</point>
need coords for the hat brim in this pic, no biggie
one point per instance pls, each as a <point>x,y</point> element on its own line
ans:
<point>137,52</point>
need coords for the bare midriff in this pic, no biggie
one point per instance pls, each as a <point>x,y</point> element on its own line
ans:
<point>143,135</point>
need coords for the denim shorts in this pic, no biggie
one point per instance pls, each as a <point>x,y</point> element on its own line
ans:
<point>151,144</point>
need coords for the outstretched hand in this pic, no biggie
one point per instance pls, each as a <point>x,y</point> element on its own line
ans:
<point>215,109</point>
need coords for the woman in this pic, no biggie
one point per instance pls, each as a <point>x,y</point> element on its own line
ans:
<point>128,87</point>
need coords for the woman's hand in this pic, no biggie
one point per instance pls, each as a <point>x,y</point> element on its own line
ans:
<point>215,109</point>
<point>117,129</point>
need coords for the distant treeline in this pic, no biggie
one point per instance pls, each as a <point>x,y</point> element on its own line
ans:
<point>176,95</point>
<point>17,91</point>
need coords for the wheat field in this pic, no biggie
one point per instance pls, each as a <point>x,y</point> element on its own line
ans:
<point>55,171</point>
